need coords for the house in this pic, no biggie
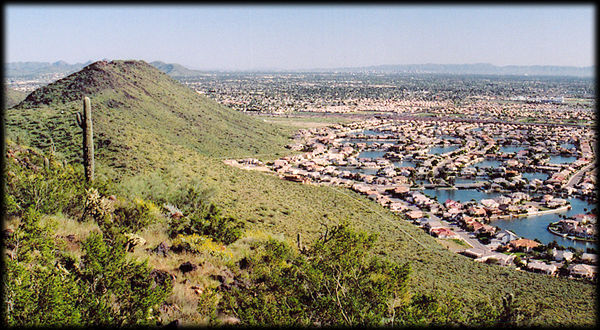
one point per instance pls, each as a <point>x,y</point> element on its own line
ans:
<point>413,215</point>
<point>589,257</point>
<point>474,253</point>
<point>506,236</point>
<point>523,244</point>
<point>443,233</point>
<point>476,211</point>
<point>582,270</point>
<point>501,258</point>
<point>489,203</point>
<point>399,191</point>
<point>560,255</point>
<point>397,207</point>
<point>540,267</point>
<point>430,224</point>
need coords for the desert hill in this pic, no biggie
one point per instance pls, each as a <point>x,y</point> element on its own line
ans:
<point>140,114</point>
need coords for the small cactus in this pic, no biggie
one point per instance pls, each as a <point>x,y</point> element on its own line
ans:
<point>84,120</point>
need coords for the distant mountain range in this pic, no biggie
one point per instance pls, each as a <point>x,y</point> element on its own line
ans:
<point>37,69</point>
<point>175,70</point>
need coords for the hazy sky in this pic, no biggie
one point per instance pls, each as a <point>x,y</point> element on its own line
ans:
<point>302,37</point>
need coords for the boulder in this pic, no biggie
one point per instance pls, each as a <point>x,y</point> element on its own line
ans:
<point>187,267</point>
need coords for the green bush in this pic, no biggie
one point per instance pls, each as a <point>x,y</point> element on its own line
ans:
<point>50,190</point>
<point>208,221</point>
<point>133,216</point>
<point>44,287</point>
<point>335,282</point>
<point>120,291</point>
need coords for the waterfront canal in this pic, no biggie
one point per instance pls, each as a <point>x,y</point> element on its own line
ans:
<point>534,227</point>
<point>529,227</point>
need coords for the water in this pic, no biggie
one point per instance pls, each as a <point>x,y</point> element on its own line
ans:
<point>366,171</point>
<point>511,149</point>
<point>488,163</point>
<point>448,137</point>
<point>531,227</point>
<point>373,132</point>
<point>568,145</point>
<point>561,159</point>
<point>535,175</point>
<point>367,142</point>
<point>405,163</point>
<point>535,227</point>
<point>469,181</point>
<point>372,154</point>
<point>461,195</point>
<point>442,150</point>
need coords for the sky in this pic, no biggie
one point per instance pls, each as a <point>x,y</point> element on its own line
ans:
<point>302,37</point>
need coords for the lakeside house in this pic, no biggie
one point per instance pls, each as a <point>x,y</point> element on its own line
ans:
<point>523,244</point>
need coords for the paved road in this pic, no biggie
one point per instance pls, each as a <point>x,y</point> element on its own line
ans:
<point>577,176</point>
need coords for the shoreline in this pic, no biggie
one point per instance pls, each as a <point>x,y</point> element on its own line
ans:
<point>534,214</point>
<point>574,238</point>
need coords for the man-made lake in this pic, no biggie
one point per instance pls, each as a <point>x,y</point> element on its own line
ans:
<point>367,142</point>
<point>442,150</point>
<point>468,181</point>
<point>449,137</point>
<point>535,175</point>
<point>405,163</point>
<point>511,149</point>
<point>530,227</point>
<point>568,145</point>
<point>461,195</point>
<point>535,227</point>
<point>488,163</point>
<point>372,132</point>
<point>371,154</point>
<point>561,159</point>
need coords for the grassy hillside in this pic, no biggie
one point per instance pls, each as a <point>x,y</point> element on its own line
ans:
<point>140,114</point>
<point>159,137</point>
<point>12,97</point>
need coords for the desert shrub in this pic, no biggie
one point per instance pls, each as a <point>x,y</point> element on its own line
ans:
<point>335,282</point>
<point>36,292</point>
<point>119,216</point>
<point>208,221</point>
<point>199,244</point>
<point>49,189</point>
<point>120,291</point>
<point>44,287</point>
<point>134,215</point>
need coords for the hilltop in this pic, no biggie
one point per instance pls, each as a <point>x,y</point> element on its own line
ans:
<point>140,115</point>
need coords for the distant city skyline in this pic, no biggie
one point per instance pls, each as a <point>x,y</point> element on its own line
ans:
<point>302,37</point>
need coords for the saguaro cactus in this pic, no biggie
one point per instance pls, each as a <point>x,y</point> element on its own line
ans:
<point>84,120</point>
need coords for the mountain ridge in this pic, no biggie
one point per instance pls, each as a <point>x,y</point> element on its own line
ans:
<point>135,104</point>
<point>28,69</point>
